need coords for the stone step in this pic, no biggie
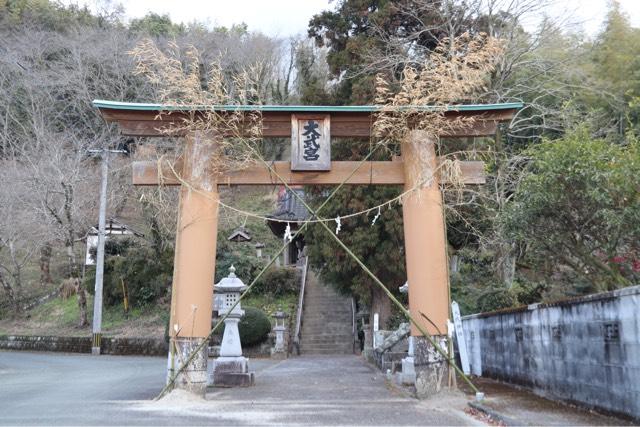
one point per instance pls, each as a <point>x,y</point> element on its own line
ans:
<point>322,308</point>
<point>329,352</point>
<point>328,308</point>
<point>340,344</point>
<point>314,293</point>
<point>326,305</point>
<point>304,336</point>
<point>328,317</point>
<point>339,336</point>
<point>319,327</point>
<point>327,314</point>
<point>322,328</point>
<point>326,311</point>
<point>306,343</point>
<point>321,323</point>
<point>324,333</point>
<point>320,297</point>
<point>322,346</point>
<point>326,349</point>
<point>328,341</point>
<point>326,320</point>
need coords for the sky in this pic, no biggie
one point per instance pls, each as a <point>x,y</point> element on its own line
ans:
<point>290,17</point>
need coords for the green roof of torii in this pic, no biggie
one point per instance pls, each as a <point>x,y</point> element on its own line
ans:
<point>134,106</point>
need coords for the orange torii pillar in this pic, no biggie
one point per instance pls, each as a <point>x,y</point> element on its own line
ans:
<point>194,264</point>
<point>427,267</point>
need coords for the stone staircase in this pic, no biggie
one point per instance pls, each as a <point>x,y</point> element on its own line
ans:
<point>326,320</point>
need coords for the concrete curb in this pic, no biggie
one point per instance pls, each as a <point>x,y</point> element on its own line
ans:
<point>113,346</point>
<point>496,415</point>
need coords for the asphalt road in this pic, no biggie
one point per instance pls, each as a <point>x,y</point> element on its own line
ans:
<point>72,389</point>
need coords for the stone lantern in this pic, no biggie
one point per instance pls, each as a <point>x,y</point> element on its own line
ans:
<point>259,246</point>
<point>231,368</point>
<point>279,329</point>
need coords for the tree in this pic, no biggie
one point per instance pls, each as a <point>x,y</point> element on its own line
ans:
<point>54,61</point>
<point>20,232</point>
<point>616,58</point>
<point>579,206</point>
<point>156,25</point>
<point>380,246</point>
<point>352,31</point>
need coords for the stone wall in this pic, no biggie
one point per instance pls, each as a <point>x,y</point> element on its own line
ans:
<point>583,350</point>
<point>114,346</point>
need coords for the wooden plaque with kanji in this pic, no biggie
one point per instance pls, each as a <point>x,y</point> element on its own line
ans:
<point>310,142</point>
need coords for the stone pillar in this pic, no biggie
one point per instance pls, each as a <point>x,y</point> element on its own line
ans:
<point>367,350</point>
<point>368,344</point>
<point>194,264</point>
<point>427,270</point>
<point>286,255</point>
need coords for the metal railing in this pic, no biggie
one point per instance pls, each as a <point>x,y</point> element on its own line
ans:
<point>303,281</point>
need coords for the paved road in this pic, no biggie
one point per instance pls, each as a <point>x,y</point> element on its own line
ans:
<point>64,389</point>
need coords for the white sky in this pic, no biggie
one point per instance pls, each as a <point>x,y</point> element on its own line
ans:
<point>290,17</point>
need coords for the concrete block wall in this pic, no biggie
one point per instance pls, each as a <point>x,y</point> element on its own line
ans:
<point>114,346</point>
<point>583,350</point>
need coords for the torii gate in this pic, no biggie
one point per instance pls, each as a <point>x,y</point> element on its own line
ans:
<point>195,253</point>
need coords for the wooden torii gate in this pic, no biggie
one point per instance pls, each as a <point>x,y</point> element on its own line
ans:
<point>194,267</point>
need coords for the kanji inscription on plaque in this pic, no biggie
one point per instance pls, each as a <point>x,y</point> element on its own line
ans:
<point>310,143</point>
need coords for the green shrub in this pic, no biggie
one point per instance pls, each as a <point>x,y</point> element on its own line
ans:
<point>279,281</point>
<point>254,326</point>
<point>145,273</point>
<point>496,298</point>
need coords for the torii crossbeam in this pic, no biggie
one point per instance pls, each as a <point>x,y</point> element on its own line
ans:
<point>194,267</point>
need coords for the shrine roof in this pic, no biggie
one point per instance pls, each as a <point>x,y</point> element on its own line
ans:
<point>352,121</point>
<point>135,106</point>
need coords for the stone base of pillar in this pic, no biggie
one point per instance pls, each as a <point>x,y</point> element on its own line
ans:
<point>431,368</point>
<point>231,372</point>
<point>194,377</point>
<point>408,374</point>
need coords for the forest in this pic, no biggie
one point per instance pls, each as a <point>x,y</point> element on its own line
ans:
<point>559,215</point>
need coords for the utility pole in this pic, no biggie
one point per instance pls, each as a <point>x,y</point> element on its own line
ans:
<point>97,300</point>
